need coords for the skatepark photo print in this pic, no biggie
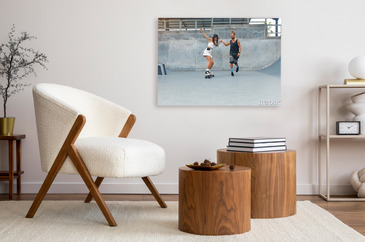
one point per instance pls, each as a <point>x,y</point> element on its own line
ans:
<point>219,61</point>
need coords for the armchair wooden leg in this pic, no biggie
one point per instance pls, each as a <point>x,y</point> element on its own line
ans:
<point>84,173</point>
<point>154,191</point>
<point>60,159</point>
<point>68,148</point>
<point>46,184</point>
<point>98,182</point>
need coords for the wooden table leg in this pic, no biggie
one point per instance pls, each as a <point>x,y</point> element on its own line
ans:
<point>11,169</point>
<point>18,166</point>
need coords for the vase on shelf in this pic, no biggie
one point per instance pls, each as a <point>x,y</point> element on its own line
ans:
<point>358,109</point>
<point>7,126</point>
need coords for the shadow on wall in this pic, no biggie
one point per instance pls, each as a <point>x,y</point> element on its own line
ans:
<point>183,50</point>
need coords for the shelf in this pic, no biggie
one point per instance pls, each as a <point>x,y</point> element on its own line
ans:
<point>327,138</point>
<point>334,136</point>
<point>342,86</point>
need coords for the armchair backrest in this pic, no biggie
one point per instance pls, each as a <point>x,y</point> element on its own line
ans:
<point>56,109</point>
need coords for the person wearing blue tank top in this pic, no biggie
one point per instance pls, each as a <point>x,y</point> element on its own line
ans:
<point>234,51</point>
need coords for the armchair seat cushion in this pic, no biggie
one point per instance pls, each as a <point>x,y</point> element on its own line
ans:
<point>118,157</point>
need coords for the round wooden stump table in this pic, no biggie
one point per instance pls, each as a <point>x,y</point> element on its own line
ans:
<point>215,202</point>
<point>273,180</point>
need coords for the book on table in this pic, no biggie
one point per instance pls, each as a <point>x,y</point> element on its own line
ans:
<point>255,140</point>
<point>257,149</point>
<point>255,145</point>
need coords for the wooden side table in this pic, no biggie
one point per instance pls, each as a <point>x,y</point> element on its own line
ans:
<point>273,180</point>
<point>215,202</point>
<point>11,174</point>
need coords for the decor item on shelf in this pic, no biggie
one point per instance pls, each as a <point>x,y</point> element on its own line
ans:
<point>358,109</point>
<point>357,67</point>
<point>358,182</point>
<point>354,82</point>
<point>348,128</point>
<point>16,62</point>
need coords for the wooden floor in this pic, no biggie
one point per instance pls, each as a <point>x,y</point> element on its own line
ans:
<point>351,213</point>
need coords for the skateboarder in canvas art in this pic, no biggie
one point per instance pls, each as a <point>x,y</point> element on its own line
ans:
<point>234,51</point>
<point>213,42</point>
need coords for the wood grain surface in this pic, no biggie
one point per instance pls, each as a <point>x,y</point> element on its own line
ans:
<point>215,202</point>
<point>273,181</point>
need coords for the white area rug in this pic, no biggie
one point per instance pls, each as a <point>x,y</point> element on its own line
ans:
<point>145,221</point>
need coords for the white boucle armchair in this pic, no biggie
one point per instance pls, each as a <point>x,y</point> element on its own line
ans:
<point>81,133</point>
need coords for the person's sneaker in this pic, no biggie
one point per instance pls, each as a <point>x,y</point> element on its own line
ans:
<point>232,74</point>
<point>238,68</point>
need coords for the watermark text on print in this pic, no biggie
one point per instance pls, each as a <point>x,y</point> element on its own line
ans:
<point>269,102</point>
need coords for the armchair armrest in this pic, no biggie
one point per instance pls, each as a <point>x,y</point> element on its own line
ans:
<point>128,126</point>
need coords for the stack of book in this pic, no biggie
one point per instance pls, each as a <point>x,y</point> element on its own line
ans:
<point>354,82</point>
<point>255,145</point>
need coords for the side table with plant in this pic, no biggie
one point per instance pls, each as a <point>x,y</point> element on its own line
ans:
<point>16,63</point>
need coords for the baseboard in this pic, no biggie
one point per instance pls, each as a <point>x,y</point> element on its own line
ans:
<point>140,188</point>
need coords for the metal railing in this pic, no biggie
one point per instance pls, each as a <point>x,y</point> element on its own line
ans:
<point>272,25</point>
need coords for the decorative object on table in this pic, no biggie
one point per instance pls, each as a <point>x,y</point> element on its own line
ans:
<point>231,167</point>
<point>258,144</point>
<point>273,180</point>
<point>358,109</point>
<point>219,61</point>
<point>206,165</point>
<point>358,182</point>
<point>216,202</point>
<point>16,63</point>
<point>348,128</point>
<point>357,67</point>
<point>11,174</point>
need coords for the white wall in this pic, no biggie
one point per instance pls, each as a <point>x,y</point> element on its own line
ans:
<point>110,48</point>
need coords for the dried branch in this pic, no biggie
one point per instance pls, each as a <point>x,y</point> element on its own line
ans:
<point>16,63</point>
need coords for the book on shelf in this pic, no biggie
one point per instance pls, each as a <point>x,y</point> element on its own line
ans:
<point>354,82</point>
<point>255,140</point>
<point>257,149</point>
<point>255,145</point>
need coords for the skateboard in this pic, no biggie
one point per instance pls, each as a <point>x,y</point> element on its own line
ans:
<point>209,75</point>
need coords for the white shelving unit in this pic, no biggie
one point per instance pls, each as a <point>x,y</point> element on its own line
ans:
<point>327,137</point>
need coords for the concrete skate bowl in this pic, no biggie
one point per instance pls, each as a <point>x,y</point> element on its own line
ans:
<point>273,70</point>
<point>183,50</point>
